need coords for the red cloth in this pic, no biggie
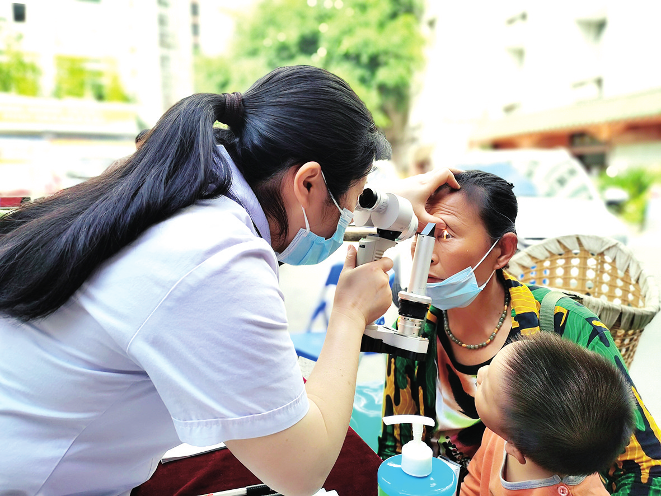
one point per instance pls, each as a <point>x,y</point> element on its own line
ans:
<point>12,201</point>
<point>354,473</point>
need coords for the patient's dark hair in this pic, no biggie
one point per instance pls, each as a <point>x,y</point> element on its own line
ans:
<point>293,115</point>
<point>568,409</point>
<point>493,196</point>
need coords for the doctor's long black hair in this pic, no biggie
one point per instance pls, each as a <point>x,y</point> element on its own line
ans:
<point>49,247</point>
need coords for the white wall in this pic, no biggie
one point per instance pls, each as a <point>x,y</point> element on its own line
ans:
<point>635,155</point>
<point>217,20</point>
<point>559,52</point>
<point>471,74</point>
<point>452,92</point>
<point>632,47</point>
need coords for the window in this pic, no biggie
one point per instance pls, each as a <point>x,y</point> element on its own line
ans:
<point>592,19</point>
<point>588,89</point>
<point>592,29</point>
<point>583,139</point>
<point>511,108</point>
<point>163,22</point>
<point>164,31</point>
<point>520,17</point>
<point>593,162</point>
<point>196,29</point>
<point>19,12</point>
<point>517,57</point>
<point>589,150</point>
<point>516,33</point>
<point>589,56</point>
<point>194,9</point>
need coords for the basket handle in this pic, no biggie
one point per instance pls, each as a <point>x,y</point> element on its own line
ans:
<point>547,310</point>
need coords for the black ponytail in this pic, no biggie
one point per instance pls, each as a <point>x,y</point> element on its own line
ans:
<point>292,115</point>
<point>48,248</point>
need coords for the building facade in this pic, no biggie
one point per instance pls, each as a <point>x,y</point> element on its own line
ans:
<point>579,74</point>
<point>146,45</point>
<point>107,68</point>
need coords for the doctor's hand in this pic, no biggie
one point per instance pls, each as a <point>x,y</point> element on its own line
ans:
<point>417,189</point>
<point>363,293</point>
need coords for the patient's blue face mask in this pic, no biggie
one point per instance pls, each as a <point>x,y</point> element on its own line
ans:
<point>308,248</point>
<point>459,290</point>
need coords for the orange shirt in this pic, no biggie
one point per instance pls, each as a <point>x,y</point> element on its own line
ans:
<point>485,469</point>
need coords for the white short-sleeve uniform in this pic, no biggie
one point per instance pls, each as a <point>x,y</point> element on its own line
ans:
<point>180,337</point>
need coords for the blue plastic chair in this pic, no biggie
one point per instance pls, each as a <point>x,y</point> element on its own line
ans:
<point>308,344</point>
<point>368,401</point>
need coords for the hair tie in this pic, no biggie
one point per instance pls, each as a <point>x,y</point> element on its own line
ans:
<point>233,115</point>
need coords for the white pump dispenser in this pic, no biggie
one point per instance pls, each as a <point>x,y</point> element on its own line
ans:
<point>416,455</point>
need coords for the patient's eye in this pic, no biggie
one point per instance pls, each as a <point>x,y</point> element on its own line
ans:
<point>444,234</point>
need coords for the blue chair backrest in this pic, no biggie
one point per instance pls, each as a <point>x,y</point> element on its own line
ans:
<point>320,309</point>
<point>331,280</point>
<point>334,274</point>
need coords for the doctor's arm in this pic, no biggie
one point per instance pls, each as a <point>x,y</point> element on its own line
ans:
<point>297,461</point>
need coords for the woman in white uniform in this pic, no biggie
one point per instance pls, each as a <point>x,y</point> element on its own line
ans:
<point>141,309</point>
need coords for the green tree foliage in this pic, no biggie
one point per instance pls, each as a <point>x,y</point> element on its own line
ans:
<point>636,181</point>
<point>72,79</point>
<point>18,74</point>
<point>80,77</point>
<point>114,90</point>
<point>375,45</point>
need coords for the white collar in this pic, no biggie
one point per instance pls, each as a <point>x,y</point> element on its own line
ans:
<point>242,191</point>
<point>570,480</point>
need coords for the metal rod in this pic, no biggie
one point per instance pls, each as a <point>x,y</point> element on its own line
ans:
<point>354,233</point>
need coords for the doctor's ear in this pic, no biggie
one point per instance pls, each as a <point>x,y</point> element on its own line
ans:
<point>308,183</point>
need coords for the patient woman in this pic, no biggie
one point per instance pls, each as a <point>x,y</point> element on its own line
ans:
<point>473,315</point>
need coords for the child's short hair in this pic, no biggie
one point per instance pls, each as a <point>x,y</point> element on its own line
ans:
<point>569,409</point>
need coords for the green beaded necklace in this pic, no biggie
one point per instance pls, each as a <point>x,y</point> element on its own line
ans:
<point>446,325</point>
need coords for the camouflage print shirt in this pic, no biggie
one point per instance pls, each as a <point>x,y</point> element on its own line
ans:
<point>411,388</point>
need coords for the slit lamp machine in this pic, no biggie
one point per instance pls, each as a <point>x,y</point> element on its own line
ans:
<point>395,221</point>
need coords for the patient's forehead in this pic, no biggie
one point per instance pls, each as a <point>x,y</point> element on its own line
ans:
<point>455,206</point>
<point>446,195</point>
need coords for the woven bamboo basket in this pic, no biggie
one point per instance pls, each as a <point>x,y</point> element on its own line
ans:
<point>600,273</point>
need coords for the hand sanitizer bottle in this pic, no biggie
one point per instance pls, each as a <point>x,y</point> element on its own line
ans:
<point>415,472</point>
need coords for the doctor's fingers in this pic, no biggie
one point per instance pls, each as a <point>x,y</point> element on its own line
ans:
<point>367,278</point>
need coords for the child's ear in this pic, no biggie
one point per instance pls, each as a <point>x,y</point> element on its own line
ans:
<point>514,451</point>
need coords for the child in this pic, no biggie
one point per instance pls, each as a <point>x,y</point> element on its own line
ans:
<point>555,412</point>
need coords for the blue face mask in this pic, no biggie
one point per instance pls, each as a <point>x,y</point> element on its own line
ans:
<point>308,248</point>
<point>459,290</point>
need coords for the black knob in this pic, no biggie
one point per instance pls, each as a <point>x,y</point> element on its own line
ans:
<point>367,198</point>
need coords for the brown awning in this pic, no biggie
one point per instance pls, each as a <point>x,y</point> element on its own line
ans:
<point>638,107</point>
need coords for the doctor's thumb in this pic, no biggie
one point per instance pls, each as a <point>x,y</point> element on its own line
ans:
<point>350,261</point>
